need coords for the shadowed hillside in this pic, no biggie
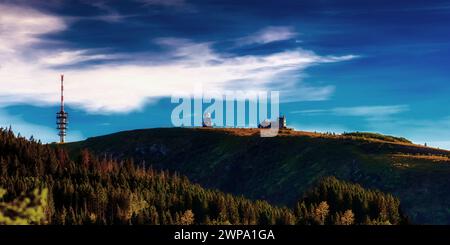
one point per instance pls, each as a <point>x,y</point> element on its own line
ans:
<point>280,169</point>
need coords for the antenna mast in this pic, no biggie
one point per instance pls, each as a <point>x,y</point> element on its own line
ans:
<point>62,116</point>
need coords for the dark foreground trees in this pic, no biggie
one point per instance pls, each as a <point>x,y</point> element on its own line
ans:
<point>333,201</point>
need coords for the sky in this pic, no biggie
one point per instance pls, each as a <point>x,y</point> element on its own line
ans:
<point>340,66</point>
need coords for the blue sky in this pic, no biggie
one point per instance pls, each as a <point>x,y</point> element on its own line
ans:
<point>379,66</point>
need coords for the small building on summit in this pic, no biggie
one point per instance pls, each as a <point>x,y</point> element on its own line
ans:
<point>207,121</point>
<point>265,124</point>
<point>281,123</point>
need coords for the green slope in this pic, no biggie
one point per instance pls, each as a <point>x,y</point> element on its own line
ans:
<point>280,169</point>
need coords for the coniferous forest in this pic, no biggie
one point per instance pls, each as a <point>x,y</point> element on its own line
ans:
<point>42,184</point>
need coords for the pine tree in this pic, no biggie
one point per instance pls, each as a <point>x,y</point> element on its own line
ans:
<point>187,218</point>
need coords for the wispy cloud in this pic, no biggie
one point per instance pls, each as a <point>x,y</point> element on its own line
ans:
<point>107,12</point>
<point>68,57</point>
<point>371,112</point>
<point>268,35</point>
<point>109,17</point>
<point>28,76</point>
<point>21,26</point>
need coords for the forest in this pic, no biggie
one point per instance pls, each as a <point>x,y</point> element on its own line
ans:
<point>42,184</point>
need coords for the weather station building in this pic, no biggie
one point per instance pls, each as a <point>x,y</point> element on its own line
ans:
<point>268,124</point>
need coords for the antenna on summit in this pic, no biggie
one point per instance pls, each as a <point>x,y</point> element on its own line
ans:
<point>62,116</point>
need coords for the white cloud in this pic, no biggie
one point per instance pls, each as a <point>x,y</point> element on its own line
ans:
<point>21,26</point>
<point>109,14</point>
<point>71,57</point>
<point>371,112</point>
<point>310,112</point>
<point>268,35</point>
<point>28,76</point>
<point>108,17</point>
